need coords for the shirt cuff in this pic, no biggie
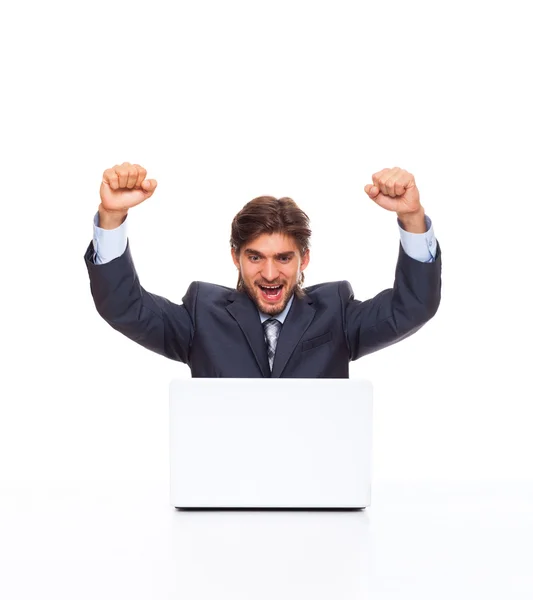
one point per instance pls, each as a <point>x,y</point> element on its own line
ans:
<point>108,244</point>
<point>420,246</point>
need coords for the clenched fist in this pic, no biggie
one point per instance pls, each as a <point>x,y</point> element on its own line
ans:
<point>395,189</point>
<point>125,186</point>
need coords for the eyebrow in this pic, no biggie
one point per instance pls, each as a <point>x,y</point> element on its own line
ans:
<point>288,254</point>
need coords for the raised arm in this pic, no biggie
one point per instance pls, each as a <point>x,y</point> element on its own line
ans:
<point>146,318</point>
<point>398,312</point>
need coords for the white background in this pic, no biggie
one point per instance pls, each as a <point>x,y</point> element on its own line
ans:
<point>222,102</point>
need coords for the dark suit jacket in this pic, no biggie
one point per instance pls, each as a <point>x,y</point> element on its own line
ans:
<point>218,333</point>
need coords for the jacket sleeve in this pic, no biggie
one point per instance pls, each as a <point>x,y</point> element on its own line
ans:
<point>395,313</point>
<point>150,320</point>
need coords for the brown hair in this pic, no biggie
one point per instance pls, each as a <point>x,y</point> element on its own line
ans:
<point>266,214</point>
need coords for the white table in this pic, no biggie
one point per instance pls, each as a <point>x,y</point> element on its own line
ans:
<point>124,540</point>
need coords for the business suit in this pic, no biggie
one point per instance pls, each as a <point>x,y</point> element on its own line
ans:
<point>218,333</point>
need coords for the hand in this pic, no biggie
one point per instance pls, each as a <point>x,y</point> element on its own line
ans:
<point>395,190</point>
<point>125,186</point>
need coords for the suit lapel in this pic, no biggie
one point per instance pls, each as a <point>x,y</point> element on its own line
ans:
<point>244,311</point>
<point>297,321</point>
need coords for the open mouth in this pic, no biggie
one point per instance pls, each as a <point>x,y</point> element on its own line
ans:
<point>271,293</point>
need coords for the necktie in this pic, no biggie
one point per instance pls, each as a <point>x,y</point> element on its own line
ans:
<point>271,327</point>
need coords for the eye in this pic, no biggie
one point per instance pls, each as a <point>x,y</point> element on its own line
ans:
<point>285,259</point>
<point>252,257</point>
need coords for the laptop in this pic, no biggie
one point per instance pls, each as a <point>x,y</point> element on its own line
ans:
<point>270,443</point>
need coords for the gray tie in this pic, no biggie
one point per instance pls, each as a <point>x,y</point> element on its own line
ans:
<point>271,327</point>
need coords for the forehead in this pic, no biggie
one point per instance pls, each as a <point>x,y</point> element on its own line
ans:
<point>270,244</point>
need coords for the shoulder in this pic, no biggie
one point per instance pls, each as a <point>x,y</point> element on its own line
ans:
<point>202,291</point>
<point>329,290</point>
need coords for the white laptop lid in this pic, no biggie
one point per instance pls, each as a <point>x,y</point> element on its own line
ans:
<point>270,443</point>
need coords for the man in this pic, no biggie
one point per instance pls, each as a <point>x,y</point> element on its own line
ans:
<point>225,332</point>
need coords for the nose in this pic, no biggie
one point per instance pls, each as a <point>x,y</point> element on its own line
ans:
<point>270,272</point>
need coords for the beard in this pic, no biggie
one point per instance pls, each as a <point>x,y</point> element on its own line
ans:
<point>254,294</point>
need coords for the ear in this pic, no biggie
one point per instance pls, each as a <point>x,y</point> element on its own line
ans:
<point>305,260</point>
<point>236,261</point>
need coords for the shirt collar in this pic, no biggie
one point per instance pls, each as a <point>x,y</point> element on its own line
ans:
<point>281,316</point>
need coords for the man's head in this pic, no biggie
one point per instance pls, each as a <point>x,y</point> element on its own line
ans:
<point>270,248</point>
